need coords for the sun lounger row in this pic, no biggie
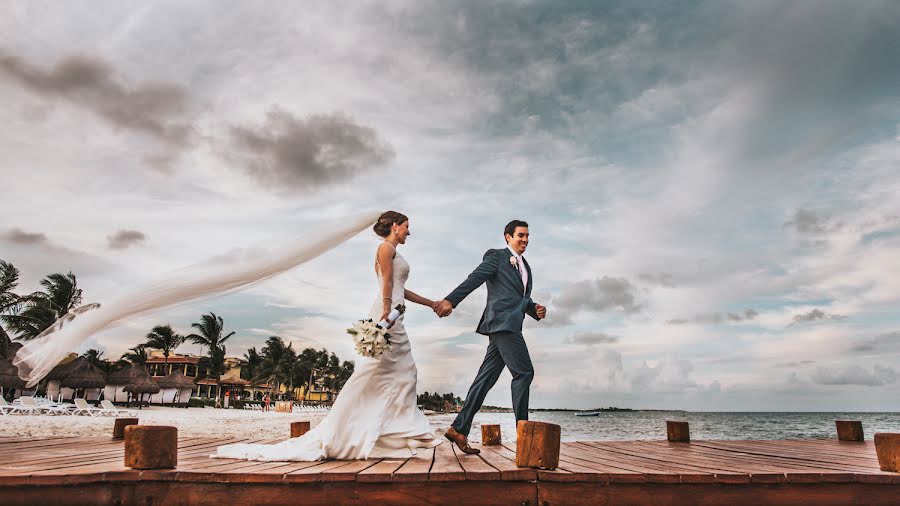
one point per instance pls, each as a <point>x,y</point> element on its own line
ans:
<point>311,409</point>
<point>297,408</point>
<point>107,408</point>
<point>38,406</point>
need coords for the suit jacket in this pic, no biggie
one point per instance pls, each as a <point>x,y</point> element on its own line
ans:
<point>507,302</point>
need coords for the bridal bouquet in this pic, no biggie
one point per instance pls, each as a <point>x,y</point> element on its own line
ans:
<point>372,339</point>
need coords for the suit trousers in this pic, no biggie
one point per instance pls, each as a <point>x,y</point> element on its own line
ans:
<point>506,349</point>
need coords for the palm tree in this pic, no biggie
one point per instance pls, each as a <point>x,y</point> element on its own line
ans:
<point>250,365</point>
<point>344,373</point>
<point>277,362</point>
<point>96,357</point>
<point>332,370</point>
<point>214,363</point>
<point>93,356</point>
<point>318,364</point>
<point>210,327</point>
<point>302,370</point>
<point>42,309</point>
<point>163,338</point>
<point>210,330</point>
<point>9,301</point>
<point>137,355</point>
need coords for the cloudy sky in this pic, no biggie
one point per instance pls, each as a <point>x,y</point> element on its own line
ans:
<point>712,187</point>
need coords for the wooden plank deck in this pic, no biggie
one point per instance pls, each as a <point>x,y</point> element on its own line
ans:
<point>91,471</point>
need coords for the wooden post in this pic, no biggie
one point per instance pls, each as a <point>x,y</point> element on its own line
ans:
<point>887,446</point>
<point>490,434</point>
<point>120,424</point>
<point>537,444</point>
<point>848,430</point>
<point>299,428</point>
<point>678,432</point>
<point>151,447</point>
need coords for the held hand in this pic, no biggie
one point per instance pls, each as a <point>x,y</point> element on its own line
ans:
<point>443,308</point>
<point>384,316</point>
<point>541,311</point>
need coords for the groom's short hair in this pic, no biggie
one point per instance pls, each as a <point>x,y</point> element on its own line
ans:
<point>511,227</point>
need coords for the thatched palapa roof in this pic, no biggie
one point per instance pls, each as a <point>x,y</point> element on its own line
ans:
<point>11,349</point>
<point>175,380</point>
<point>59,372</point>
<point>9,375</point>
<point>80,373</point>
<point>123,376</point>
<point>141,382</point>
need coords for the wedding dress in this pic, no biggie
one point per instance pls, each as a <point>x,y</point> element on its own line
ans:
<point>374,416</point>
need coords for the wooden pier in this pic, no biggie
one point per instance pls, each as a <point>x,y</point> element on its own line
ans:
<point>91,471</point>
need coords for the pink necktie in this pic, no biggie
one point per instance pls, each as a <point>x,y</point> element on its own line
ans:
<point>521,268</point>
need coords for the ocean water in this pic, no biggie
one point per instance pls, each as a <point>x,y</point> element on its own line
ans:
<point>651,425</point>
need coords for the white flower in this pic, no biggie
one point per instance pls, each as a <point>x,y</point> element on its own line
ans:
<point>513,262</point>
<point>369,339</point>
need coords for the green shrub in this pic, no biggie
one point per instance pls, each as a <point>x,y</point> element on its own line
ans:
<point>197,402</point>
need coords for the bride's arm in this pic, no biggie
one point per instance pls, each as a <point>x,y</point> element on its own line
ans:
<point>418,299</point>
<point>385,258</point>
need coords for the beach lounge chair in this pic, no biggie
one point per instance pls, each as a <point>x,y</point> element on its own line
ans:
<point>29,406</point>
<point>8,409</point>
<point>83,408</point>
<point>44,406</point>
<point>110,409</point>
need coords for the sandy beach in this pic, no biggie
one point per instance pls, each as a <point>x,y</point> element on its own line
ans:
<point>191,422</point>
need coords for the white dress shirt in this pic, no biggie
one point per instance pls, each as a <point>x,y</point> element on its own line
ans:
<point>520,264</point>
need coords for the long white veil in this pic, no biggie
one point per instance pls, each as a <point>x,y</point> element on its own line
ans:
<point>37,357</point>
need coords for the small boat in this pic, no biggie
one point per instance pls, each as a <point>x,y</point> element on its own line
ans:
<point>588,413</point>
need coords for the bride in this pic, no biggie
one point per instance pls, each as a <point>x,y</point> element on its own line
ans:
<point>375,415</point>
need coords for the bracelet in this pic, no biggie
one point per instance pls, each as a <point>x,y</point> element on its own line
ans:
<point>386,298</point>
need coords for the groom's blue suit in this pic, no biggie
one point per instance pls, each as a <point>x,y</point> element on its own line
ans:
<point>507,304</point>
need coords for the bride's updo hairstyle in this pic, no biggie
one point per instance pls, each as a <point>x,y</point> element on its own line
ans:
<point>386,221</point>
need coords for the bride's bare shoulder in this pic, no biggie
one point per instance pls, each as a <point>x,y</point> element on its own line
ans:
<point>385,250</point>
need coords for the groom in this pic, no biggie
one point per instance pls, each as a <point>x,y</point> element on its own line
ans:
<point>509,283</point>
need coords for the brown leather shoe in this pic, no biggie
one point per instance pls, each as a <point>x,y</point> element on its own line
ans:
<point>461,441</point>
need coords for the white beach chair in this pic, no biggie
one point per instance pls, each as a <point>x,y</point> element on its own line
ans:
<point>8,409</point>
<point>110,409</point>
<point>83,408</point>
<point>46,406</point>
<point>29,406</point>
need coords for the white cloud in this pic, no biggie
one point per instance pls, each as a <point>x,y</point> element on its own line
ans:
<point>734,170</point>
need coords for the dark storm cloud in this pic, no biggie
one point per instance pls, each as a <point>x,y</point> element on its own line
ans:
<point>598,295</point>
<point>808,222</point>
<point>814,70</point>
<point>794,365</point>
<point>153,108</point>
<point>815,315</point>
<point>855,375</point>
<point>713,318</point>
<point>592,338</point>
<point>19,236</point>
<point>878,345</point>
<point>303,153</point>
<point>125,238</point>
<point>660,278</point>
